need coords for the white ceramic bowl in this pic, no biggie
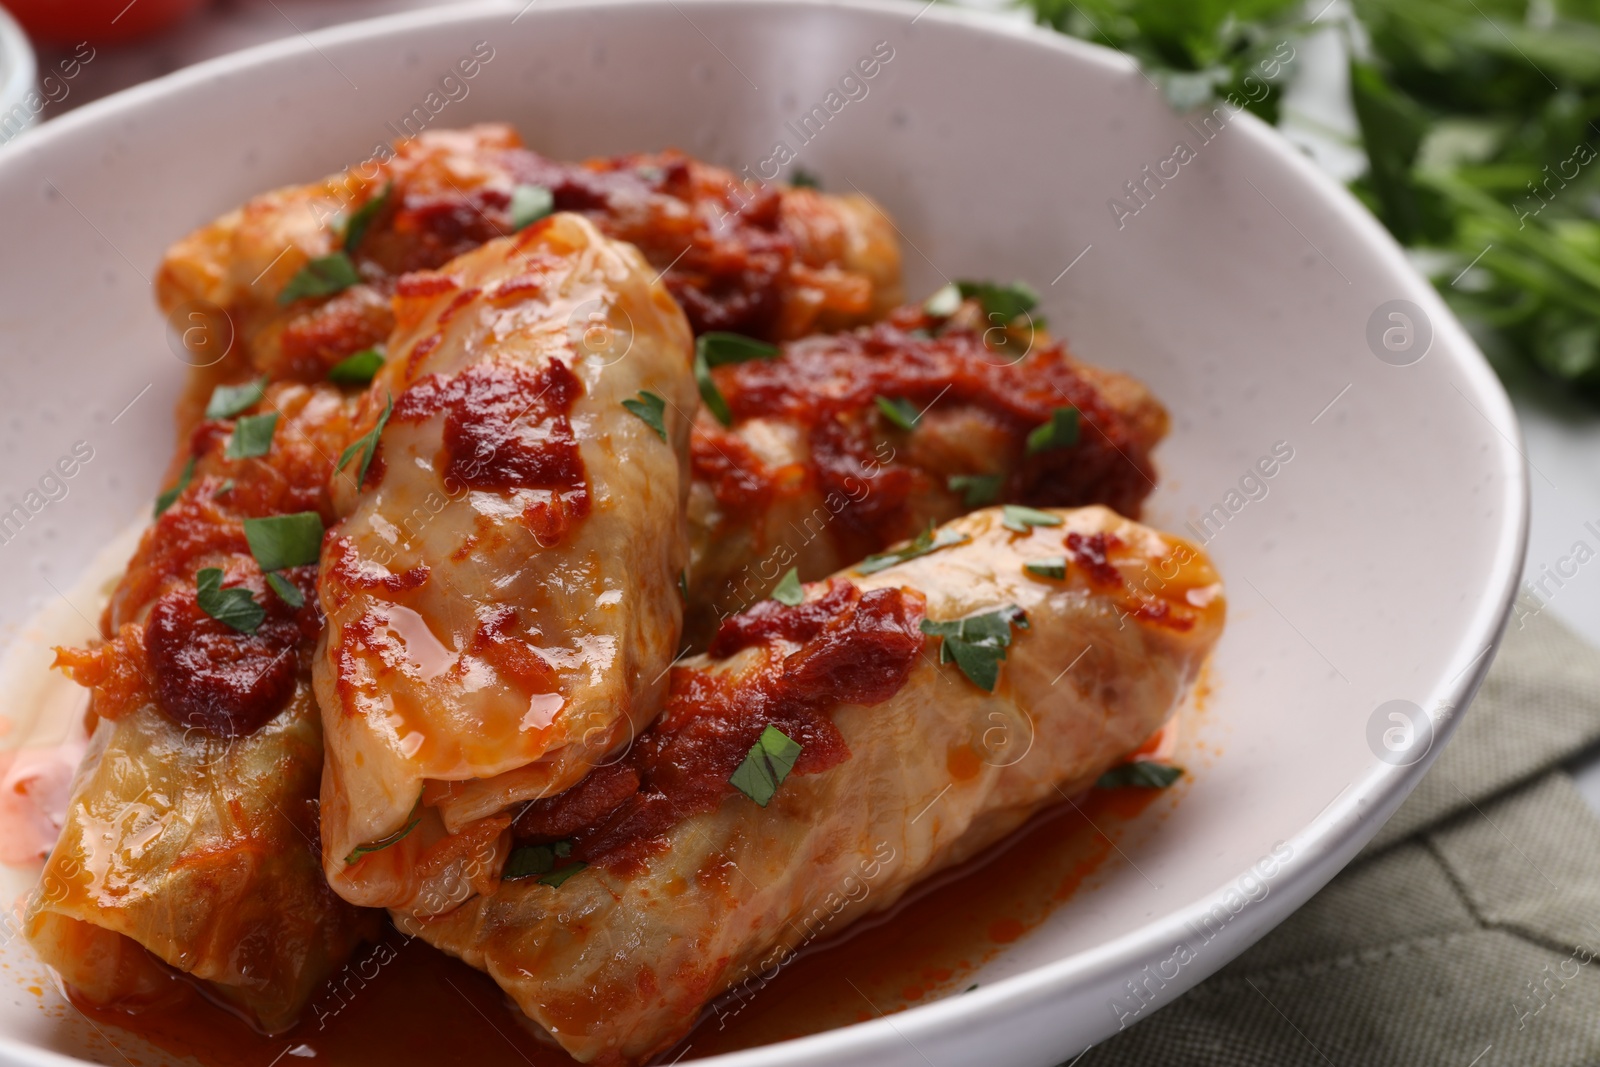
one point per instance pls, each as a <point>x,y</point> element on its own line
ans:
<point>1253,294</point>
<point>17,72</point>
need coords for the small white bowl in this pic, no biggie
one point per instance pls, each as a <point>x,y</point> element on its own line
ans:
<point>1375,563</point>
<point>17,73</point>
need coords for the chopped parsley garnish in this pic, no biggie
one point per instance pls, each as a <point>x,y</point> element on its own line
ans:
<point>1143,774</point>
<point>235,607</point>
<point>1000,303</point>
<point>170,497</point>
<point>789,591</point>
<point>529,204</point>
<point>1054,567</point>
<point>683,585</point>
<point>556,877</point>
<point>383,843</point>
<point>920,545</point>
<point>252,436</point>
<point>287,591</point>
<point>722,349</point>
<point>539,861</point>
<point>977,489</point>
<point>651,408</point>
<point>530,861</point>
<point>280,541</point>
<point>900,411</point>
<point>1060,432</point>
<point>945,301</point>
<point>1019,519</point>
<point>766,765</point>
<point>230,400</point>
<point>719,349</point>
<point>715,402</point>
<point>323,276</point>
<point>356,228</point>
<point>225,487</point>
<point>359,368</point>
<point>366,444</point>
<point>977,643</point>
<point>800,178</point>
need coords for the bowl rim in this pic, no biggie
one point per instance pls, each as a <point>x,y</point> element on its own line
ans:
<point>1320,848</point>
<point>18,70</point>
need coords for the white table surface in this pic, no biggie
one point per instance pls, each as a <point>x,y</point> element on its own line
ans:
<point>1561,442</point>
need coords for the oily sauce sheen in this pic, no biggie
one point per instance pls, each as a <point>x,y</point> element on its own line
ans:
<point>401,1003</point>
<point>845,647</point>
<point>728,248</point>
<point>830,385</point>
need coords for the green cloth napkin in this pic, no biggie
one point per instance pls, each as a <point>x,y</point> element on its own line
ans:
<point>1467,933</point>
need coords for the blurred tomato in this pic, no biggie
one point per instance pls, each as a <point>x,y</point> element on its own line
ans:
<point>67,22</point>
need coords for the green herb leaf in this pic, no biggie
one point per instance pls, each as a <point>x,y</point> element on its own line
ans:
<point>323,276</point>
<point>977,643</point>
<point>252,436</point>
<point>920,545</point>
<point>1000,303</point>
<point>356,228</point>
<point>652,409</point>
<point>225,487</point>
<point>1054,567</point>
<point>800,178</point>
<point>721,349</point>
<point>529,204</point>
<point>280,541</point>
<point>366,444</point>
<point>359,368</point>
<point>170,497</point>
<point>683,585</point>
<point>555,878</point>
<point>235,606</point>
<point>1019,519</point>
<point>789,591</point>
<point>287,591</point>
<point>945,301</point>
<point>379,845</point>
<point>1143,774</point>
<point>1060,432</point>
<point>530,861</point>
<point>1196,53</point>
<point>900,411</point>
<point>715,402</point>
<point>766,765</point>
<point>1392,129</point>
<point>230,400</point>
<point>978,490</point>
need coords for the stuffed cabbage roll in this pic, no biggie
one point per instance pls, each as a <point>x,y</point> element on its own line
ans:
<point>871,729</point>
<point>190,843</point>
<point>305,273</point>
<point>844,444</point>
<point>503,594</point>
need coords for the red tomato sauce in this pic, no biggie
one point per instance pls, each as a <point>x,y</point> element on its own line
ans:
<point>829,387</point>
<point>854,648</point>
<point>402,1003</point>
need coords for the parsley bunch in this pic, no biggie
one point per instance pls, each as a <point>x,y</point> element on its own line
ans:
<point>1481,124</point>
<point>1196,51</point>
<point>1481,119</point>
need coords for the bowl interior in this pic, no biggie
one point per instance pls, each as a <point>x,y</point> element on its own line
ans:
<point>1372,564</point>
